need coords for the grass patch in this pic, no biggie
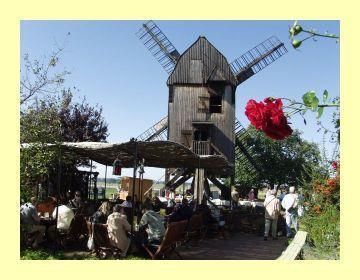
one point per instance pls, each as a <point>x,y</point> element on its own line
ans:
<point>30,254</point>
<point>41,254</point>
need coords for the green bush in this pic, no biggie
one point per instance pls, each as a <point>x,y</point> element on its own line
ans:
<point>324,229</point>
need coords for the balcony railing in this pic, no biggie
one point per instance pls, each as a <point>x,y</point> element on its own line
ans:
<point>201,147</point>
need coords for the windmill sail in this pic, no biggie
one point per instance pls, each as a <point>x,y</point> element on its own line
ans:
<point>159,45</point>
<point>243,154</point>
<point>157,132</point>
<point>257,58</point>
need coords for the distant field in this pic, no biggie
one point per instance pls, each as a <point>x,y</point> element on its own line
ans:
<point>111,188</point>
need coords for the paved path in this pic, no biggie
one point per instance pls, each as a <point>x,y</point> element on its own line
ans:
<point>240,246</point>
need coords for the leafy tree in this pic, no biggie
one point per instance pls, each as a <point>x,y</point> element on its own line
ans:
<point>41,76</point>
<point>50,114</point>
<point>282,162</point>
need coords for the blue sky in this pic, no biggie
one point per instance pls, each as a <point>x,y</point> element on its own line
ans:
<point>111,67</point>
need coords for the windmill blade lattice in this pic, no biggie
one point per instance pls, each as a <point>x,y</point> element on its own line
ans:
<point>159,45</point>
<point>257,58</point>
<point>243,154</point>
<point>158,132</point>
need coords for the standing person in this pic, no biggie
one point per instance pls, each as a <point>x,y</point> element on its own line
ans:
<point>282,195</point>
<point>268,191</point>
<point>251,195</point>
<point>118,226</point>
<point>272,211</point>
<point>290,204</point>
<point>30,218</point>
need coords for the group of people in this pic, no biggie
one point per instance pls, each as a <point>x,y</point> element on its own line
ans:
<point>151,225</point>
<point>64,213</point>
<point>273,204</point>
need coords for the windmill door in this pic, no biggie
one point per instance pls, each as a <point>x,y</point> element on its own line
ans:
<point>201,139</point>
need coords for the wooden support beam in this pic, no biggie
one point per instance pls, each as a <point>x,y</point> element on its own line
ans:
<point>225,191</point>
<point>179,182</point>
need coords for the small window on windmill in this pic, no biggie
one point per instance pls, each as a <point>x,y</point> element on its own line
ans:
<point>203,104</point>
<point>216,95</point>
<point>215,103</point>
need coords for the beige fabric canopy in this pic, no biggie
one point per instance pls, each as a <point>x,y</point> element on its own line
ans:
<point>162,154</point>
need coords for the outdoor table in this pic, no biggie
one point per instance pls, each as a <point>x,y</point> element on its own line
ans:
<point>251,203</point>
<point>47,221</point>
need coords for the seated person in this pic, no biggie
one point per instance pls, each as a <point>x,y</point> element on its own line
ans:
<point>64,219</point>
<point>154,225</point>
<point>118,225</point>
<point>76,203</point>
<point>127,208</point>
<point>30,218</point>
<point>157,204</point>
<point>219,217</point>
<point>181,212</point>
<point>127,203</point>
<point>101,215</point>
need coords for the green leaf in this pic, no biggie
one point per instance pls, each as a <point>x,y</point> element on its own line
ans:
<point>320,112</point>
<point>314,104</point>
<point>325,95</point>
<point>308,98</point>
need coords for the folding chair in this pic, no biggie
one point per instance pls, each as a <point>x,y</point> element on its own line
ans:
<point>174,235</point>
<point>195,229</point>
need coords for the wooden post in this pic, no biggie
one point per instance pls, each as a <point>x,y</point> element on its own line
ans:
<point>199,185</point>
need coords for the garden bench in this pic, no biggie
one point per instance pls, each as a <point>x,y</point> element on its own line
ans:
<point>293,251</point>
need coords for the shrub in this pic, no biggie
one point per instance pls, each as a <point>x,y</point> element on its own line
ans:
<point>323,227</point>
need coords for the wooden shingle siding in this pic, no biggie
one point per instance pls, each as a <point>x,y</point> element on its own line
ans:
<point>201,50</point>
<point>185,110</point>
<point>201,72</point>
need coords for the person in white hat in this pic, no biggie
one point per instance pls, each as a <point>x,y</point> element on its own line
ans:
<point>272,211</point>
<point>290,204</point>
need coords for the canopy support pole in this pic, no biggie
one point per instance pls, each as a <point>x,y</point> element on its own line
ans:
<point>57,199</point>
<point>134,178</point>
<point>105,181</point>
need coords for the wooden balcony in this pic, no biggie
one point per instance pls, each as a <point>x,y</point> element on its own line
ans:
<point>201,147</point>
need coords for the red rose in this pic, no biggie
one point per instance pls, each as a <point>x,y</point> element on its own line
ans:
<point>255,113</point>
<point>268,117</point>
<point>334,165</point>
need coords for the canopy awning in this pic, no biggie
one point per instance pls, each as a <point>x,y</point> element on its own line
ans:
<point>162,154</point>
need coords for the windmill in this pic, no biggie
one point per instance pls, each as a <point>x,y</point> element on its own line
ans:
<point>201,102</point>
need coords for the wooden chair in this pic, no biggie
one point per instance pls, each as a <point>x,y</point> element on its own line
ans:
<point>102,245</point>
<point>196,229</point>
<point>27,238</point>
<point>77,228</point>
<point>174,235</point>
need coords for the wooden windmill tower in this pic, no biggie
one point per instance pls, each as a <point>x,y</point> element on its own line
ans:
<point>201,103</point>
